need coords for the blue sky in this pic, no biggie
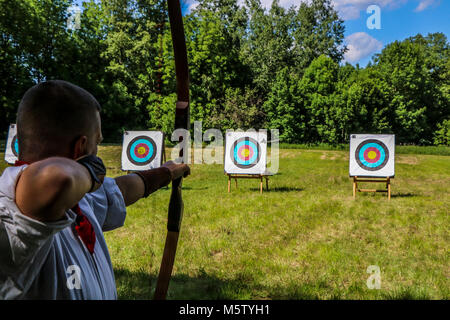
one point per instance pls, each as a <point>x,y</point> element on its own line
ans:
<point>400,19</point>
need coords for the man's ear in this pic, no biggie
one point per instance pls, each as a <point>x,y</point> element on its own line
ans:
<point>80,147</point>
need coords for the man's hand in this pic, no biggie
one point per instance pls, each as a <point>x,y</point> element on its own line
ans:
<point>177,170</point>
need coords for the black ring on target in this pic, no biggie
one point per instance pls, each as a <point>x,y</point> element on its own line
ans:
<point>381,155</point>
<point>254,152</point>
<point>15,146</point>
<point>141,150</point>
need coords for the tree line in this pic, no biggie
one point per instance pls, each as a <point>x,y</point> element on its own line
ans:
<point>250,67</point>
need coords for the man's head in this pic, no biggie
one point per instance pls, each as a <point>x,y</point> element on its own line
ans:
<point>57,118</point>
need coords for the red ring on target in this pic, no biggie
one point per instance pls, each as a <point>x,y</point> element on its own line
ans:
<point>372,149</point>
<point>145,153</point>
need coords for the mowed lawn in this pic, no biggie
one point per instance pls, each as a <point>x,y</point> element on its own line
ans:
<point>306,238</point>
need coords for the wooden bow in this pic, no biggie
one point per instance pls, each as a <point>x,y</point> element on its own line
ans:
<point>181,121</point>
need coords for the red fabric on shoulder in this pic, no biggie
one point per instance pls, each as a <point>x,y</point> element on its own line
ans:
<point>84,229</point>
<point>19,163</point>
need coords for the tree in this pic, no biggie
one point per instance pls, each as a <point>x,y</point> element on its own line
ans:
<point>402,66</point>
<point>132,51</point>
<point>284,107</point>
<point>242,109</point>
<point>32,34</point>
<point>317,87</point>
<point>366,100</point>
<point>214,31</point>
<point>318,31</point>
<point>268,42</point>
<point>442,134</point>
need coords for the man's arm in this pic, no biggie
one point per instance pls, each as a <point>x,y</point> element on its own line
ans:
<point>132,188</point>
<point>47,188</point>
<point>137,185</point>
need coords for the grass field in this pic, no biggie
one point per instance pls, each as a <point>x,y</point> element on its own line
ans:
<point>304,239</point>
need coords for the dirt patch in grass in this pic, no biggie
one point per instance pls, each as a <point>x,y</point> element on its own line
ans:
<point>412,160</point>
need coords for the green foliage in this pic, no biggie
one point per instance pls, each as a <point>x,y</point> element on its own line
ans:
<point>402,67</point>
<point>214,32</point>
<point>442,134</point>
<point>318,86</point>
<point>284,107</point>
<point>242,110</point>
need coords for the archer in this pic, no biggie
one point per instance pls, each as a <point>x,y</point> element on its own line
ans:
<point>56,202</point>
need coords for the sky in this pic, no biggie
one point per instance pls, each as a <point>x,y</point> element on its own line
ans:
<point>398,20</point>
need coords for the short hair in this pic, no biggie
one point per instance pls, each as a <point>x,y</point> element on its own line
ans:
<point>52,115</point>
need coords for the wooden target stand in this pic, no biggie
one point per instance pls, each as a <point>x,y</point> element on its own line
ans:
<point>386,180</point>
<point>260,177</point>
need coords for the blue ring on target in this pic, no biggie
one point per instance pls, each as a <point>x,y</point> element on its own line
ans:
<point>380,150</point>
<point>15,146</point>
<point>251,143</point>
<point>131,150</point>
<point>150,151</point>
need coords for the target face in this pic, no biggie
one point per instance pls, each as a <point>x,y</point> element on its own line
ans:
<point>246,152</point>
<point>372,155</point>
<point>12,145</point>
<point>141,150</point>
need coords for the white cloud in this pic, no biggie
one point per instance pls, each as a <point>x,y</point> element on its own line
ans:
<point>360,45</point>
<point>191,4</point>
<point>425,4</point>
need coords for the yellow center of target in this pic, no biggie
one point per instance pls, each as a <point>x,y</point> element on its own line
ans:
<point>245,153</point>
<point>141,150</point>
<point>372,154</point>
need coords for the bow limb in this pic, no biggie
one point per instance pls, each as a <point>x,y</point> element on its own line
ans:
<point>181,121</point>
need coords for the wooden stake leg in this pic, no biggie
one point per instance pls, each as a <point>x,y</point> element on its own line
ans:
<point>261,185</point>
<point>389,188</point>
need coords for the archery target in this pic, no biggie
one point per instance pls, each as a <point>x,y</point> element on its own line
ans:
<point>245,152</point>
<point>142,150</point>
<point>372,155</point>
<point>12,145</point>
